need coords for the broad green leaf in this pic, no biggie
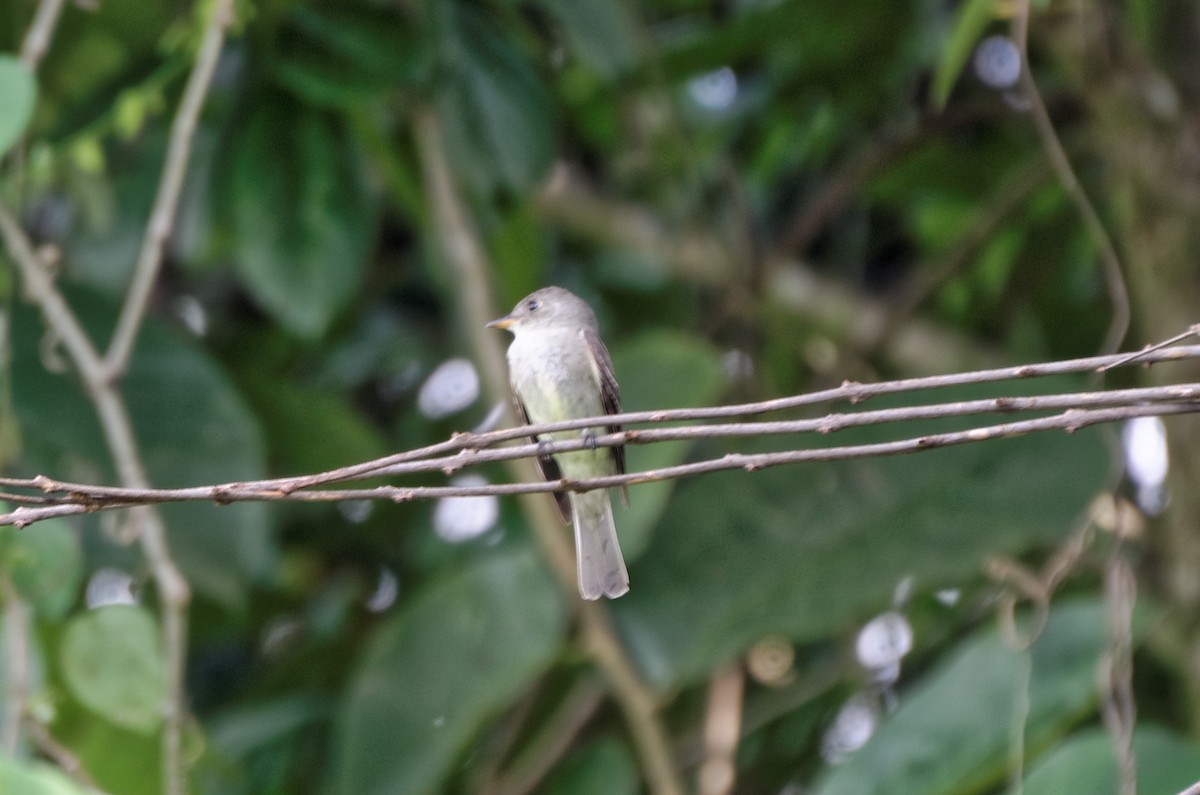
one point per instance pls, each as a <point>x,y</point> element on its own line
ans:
<point>658,370</point>
<point>111,659</point>
<point>45,563</point>
<point>120,760</point>
<point>807,550</point>
<point>1166,762</point>
<point>35,778</point>
<point>192,427</point>
<point>18,91</point>
<point>604,33</point>
<point>343,54</point>
<point>495,108</point>
<point>345,438</point>
<point>603,768</point>
<point>450,659</point>
<point>951,734</point>
<point>972,17</point>
<point>301,213</point>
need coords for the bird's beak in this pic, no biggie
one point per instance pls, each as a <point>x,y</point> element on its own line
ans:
<point>502,322</point>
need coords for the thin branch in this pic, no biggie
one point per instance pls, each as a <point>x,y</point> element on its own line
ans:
<point>722,730</point>
<point>472,271</point>
<point>16,642</point>
<point>39,288</point>
<point>851,392</point>
<point>162,216</point>
<point>64,757</point>
<point>79,499</point>
<point>551,742</point>
<point>1114,277</point>
<point>41,30</point>
<point>1192,331</point>
<point>98,374</point>
<point>471,449</point>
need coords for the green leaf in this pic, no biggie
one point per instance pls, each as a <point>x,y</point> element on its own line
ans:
<point>340,55</point>
<point>345,438</point>
<point>18,92</point>
<point>192,428</point>
<point>603,768</point>
<point>971,19</point>
<point>453,657</point>
<point>46,565</point>
<point>111,659</point>
<point>301,213</point>
<point>952,733</point>
<point>1166,762</point>
<point>604,33</point>
<point>120,760</point>
<point>658,370</point>
<point>35,778</point>
<point>495,108</point>
<point>807,550</point>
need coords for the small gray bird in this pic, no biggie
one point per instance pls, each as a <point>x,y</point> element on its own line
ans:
<point>560,370</point>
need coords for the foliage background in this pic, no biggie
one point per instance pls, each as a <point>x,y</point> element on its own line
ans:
<point>759,198</point>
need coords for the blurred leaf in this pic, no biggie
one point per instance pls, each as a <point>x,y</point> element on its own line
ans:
<point>856,51</point>
<point>35,778</point>
<point>498,118</point>
<point>338,55</point>
<point>951,734</point>
<point>604,33</point>
<point>345,436</point>
<point>806,550</point>
<point>660,370</point>
<point>111,660</point>
<point>120,760</point>
<point>970,20</point>
<point>603,768</point>
<point>18,91</point>
<point>451,658</point>
<point>302,215</point>
<point>1166,762</point>
<point>46,565</point>
<point>192,427</point>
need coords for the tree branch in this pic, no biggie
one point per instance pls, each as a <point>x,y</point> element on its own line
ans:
<point>98,374</point>
<point>41,30</point>
<point>76,498</point>
<point>162,216</point>
<point>469,265</point>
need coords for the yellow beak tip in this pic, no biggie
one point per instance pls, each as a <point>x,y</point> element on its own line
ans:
<point>501,322</point>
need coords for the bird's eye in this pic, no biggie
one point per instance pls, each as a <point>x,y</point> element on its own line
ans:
<point>532,306</point>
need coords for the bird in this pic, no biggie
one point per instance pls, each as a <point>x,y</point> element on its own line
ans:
<point>560,370</point>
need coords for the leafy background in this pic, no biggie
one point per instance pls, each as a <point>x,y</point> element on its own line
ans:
<point>742,190</point>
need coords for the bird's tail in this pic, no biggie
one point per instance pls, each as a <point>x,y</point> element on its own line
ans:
<point>597,552</point>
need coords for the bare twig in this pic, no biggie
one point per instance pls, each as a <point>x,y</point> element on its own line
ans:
<point>64,757</point>
<point>41,30</point>
<point>722,731</point>
<point>1114,277</point>
<point>80,498</point>
<point>16,642</point>
<point>98,373</point>
<point>162,216</point>
<point>552,741</point>
<point>1192,331</point>
<point>1115,671</point>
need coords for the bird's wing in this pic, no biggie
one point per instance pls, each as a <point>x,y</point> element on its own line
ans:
<point>547,466</point>
<point>610,394</point>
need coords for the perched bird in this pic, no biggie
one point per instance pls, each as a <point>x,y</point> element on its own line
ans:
<point>560,370</point>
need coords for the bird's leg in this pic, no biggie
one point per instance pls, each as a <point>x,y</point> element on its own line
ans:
<point>589,438</point>
<point>543,445</point>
